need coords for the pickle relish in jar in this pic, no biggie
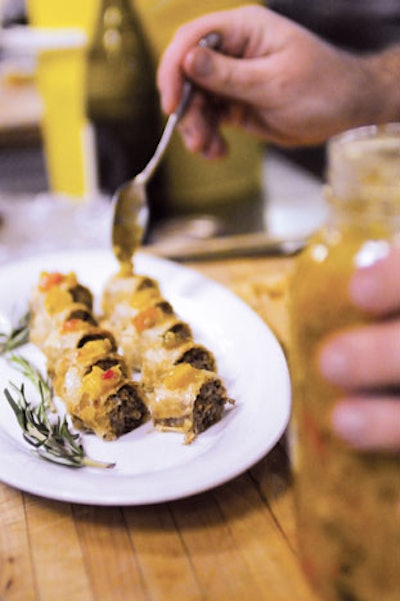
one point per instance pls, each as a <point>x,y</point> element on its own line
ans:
<point>347,502</point>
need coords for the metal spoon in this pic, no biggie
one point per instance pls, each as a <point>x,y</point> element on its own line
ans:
<point>131,211</point>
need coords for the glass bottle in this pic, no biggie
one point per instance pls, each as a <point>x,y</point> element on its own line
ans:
<point>347,503</point>
<point>122,100</point>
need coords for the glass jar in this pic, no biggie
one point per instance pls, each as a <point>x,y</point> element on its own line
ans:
<point>347,502</point>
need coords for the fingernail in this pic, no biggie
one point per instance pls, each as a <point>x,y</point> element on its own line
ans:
<point>333,363</point>
<point>201,63</point>
<point>349,423</point>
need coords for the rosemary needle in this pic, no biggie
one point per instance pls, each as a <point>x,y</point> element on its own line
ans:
<point>18,336</point>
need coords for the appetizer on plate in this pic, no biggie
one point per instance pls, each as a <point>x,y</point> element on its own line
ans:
<point>138,359</point>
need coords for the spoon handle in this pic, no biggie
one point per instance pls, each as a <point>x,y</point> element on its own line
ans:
<point>211,40</point>
<point>185,99</point>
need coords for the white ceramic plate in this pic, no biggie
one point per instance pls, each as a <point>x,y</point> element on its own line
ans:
<point>153,467</point>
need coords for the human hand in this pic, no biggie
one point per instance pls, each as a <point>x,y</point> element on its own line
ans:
<point>271,77</point>
<point>365,361</point>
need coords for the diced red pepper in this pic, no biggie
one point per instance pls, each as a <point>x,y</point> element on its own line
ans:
<point>70,325</point>
<point>48,280</point>
<point>108,374</point>
<point>145,319</point>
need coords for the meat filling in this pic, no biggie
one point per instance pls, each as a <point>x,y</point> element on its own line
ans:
<point>126,409</point>
<point>81,294</point>
<point>199,357</point>
<point>83,316</point>
<point>100,335</point>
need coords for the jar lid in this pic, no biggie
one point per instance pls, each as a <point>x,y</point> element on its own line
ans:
<point>364,163</point>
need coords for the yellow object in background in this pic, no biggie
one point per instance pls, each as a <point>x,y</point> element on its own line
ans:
<point>231,186</point>
<point>61,74</point>
<point>60,77</point>
<point>67,13</point>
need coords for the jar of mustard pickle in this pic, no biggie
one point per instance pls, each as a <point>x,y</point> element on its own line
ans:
<point>347,502</point>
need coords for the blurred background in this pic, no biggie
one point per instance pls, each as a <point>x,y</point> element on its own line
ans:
<point>79,115</point>
<point>356,25</point>
<point>20,137</point>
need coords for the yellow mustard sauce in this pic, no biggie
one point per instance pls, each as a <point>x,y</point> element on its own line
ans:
<point>347,502</point>
<point>57,300</point>
<point>127,239</point>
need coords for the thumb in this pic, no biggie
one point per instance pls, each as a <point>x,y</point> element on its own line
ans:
<point>223,75</point>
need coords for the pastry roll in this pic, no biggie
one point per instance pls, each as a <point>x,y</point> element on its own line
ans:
<point>187,400</point>
<point>55,294</point>
<point>98,393</point>
<point>121,293</point>
<point>69,327</point>
<point>159,359</point>
<point>124,299</point>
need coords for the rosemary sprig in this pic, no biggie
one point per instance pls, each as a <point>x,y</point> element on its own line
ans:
<point>52,440</point>
<point>18,336</point>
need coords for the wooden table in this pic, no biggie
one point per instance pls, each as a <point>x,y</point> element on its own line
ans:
<point>236,542</point>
